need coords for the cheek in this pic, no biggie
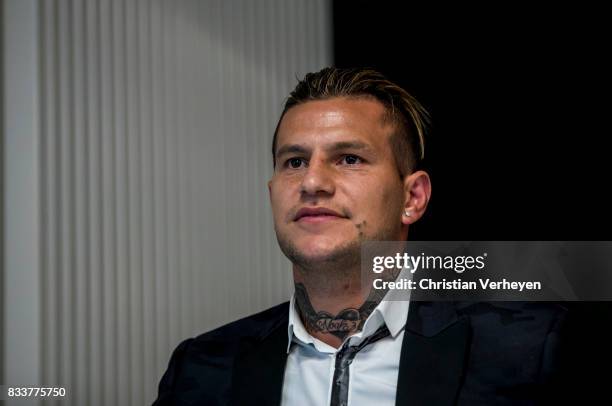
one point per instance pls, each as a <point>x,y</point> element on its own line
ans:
<point>276,200</point>
<point>383,205</point>
<point>282,199</point>
<point>393,198</point>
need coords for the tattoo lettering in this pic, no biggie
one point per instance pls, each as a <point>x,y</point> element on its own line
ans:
<point>345,323</point>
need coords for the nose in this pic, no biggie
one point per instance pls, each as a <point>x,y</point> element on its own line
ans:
<point>318,179</point>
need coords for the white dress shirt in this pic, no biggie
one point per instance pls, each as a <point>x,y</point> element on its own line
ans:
<point>372,374</point>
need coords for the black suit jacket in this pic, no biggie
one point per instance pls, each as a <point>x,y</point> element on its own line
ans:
<point>452,354</point>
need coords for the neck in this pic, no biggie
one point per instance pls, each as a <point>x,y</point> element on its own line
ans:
<point>334,305</point>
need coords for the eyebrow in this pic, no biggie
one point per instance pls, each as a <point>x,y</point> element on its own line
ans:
<point>291,149</point>
<point>336,146</point>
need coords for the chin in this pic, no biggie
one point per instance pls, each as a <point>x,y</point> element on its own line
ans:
<point>323,250</point>
<point>318,254</point>
<point>319,245</point>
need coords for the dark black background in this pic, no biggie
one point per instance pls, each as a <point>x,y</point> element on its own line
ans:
<point>519,97</point>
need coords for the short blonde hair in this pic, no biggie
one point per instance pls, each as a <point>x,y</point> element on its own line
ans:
<point>411,119</point>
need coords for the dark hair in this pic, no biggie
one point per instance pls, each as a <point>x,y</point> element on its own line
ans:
<point>402,109</point>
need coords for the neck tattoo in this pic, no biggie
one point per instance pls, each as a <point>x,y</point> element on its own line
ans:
<point>347,322</point>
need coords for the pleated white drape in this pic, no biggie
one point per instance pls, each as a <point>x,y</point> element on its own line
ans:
<point>152,137</point>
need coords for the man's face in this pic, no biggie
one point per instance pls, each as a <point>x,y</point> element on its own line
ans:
<point>336,182</point>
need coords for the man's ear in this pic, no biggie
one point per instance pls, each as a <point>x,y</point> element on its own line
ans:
<point>270,188</point>
<point>417,192</point>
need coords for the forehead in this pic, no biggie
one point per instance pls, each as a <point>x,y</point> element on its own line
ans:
<point>320,120</point>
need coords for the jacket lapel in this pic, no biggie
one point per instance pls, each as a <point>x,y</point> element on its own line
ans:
<point>432,361</point>
<point>433,356</point>
<point>259,371</point>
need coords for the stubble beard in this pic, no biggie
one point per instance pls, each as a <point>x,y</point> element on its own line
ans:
<point>343,257</point>
<point>339,264</point>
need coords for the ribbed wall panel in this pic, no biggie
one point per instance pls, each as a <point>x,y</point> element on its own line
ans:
<point>156,123</point>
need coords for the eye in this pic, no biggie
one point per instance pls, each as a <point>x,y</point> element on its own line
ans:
<point>351,159</point>
<point>294,163</point>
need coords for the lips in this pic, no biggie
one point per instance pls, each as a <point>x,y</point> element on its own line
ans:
<point>316,213</point>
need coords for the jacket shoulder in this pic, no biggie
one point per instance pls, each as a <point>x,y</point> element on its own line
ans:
<point>256,326</point>
<point>200,368</point>
<point>513,320</point>
<point>515,349</point>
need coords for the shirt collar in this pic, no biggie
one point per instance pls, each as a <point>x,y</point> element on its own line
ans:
<point>392,313</point>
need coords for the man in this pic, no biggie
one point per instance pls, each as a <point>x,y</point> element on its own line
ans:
<point>346,157</point>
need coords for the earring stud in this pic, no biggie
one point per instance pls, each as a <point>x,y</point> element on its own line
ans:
<point>408,213</point>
